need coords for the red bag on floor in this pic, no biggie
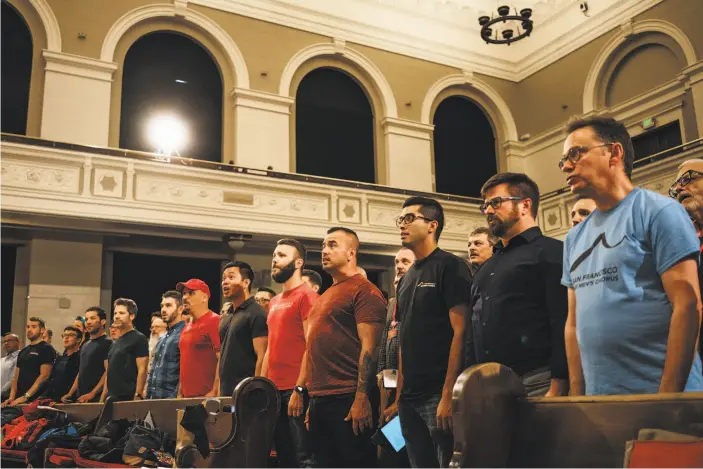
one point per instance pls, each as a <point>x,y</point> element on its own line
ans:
<point>666,454</point>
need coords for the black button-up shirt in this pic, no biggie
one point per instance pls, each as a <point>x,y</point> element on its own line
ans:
<point>519,307</point>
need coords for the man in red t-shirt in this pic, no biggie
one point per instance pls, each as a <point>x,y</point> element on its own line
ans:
<point>284,361</point>
<point>199,344</point>
<point>345,325</point>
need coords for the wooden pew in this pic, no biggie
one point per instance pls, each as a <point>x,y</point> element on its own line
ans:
<point>241,439</point>
<point>495,425</point>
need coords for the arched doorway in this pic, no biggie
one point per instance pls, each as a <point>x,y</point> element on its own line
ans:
<point>464,147</point>
<point>171,81</point>
<point>334,127</point>
<point>16,58</point>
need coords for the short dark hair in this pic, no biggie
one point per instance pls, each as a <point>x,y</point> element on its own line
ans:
<point>245,271</point>
<point>346,230</point>
<point>608,130</point>
<point>128,303</point>
<point>519,185</point>
<point>267,290</point>
<point>78,332</point>
<point>50,333</point>
<point>492,240</point>
<point>101,313</point>
<point>315,278</point>
<point>42,324</point>
<point>156,314</point>
<point>296,244</point>
<point>176,295</point>
<point>431,209</point>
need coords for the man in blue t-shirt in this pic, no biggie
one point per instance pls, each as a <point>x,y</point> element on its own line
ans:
<point>631,271</point>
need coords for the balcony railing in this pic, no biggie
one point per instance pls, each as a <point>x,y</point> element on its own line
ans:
<point>68,180</point>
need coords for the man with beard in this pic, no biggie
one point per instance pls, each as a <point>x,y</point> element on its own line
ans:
<point>581,209</point>
<point>128,357</point>
<point>92,374</point>
<point>630,267</point>
<point>517,301</point>
<point>285,359</point>
<point>432,306</point>
<point>263,297</point>
<point>687,189</point>
<point>34,365</point>
<point>313,279</point>
<point>481,243</point>
<point>345,325</point>
<point>199,344</point>
<point>166,366</point>
<point>243,331</point>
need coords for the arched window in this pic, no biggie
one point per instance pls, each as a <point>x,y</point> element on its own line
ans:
<point>171,87</point>
<point>16,71</point>
<point>464,147</point>
<point>334,127</point>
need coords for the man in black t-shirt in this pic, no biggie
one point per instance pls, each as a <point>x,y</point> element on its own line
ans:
<point>34,364</point>
<point>432,306</point>
<point>128,358</point>
<point>66,365</point>
<point>88,385</point>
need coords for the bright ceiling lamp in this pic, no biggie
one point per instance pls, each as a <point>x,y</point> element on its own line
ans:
<point>168,134</point>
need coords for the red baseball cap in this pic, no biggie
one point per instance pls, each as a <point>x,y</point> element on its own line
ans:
<point>194,284</point>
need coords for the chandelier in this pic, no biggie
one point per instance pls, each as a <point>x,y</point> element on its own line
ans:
<point>521,23</point>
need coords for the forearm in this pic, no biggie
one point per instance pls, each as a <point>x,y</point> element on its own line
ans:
<point>259,365</point>
<point>680,350</point>
<point>216,383</point>
<point>99,387</point>
<point>74,387</point>
<point>38,384</point>
<point>265,365</point>
<point>141,381</point>
<point>456,352</point>
<point>303,375</point>
<point>367,360</point>
<point>573,358</point>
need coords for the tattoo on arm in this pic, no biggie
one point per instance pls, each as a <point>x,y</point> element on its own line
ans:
<point>366,369</point>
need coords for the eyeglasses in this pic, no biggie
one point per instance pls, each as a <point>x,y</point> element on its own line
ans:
<point>63,336</point>
<point>575,153</point>
<point>409,218</point>
<point>683,181</point>
<point>496,202</point>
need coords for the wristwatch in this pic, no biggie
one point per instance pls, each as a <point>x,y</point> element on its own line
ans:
<point>300,390</point>
<point>27,396</point>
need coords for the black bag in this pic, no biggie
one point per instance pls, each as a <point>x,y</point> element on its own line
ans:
<point>148,446</point>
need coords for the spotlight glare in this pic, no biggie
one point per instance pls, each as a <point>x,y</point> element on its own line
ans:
<point>168,134</point>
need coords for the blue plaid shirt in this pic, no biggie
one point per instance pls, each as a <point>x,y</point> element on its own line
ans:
<point>166,367</point>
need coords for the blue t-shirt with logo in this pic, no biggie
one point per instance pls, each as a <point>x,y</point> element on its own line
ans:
<point>614,261</point>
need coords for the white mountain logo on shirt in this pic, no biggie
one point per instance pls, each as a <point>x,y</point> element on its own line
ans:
<point>426,285</point>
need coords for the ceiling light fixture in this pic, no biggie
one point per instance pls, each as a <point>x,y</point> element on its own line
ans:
<point>505,34</point>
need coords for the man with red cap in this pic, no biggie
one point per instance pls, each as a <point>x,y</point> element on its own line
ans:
<point>687,189</point>
<point>199,344</point>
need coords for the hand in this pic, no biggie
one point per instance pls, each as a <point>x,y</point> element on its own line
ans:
<point>65,399</point>
<point>86,397</point>
<point>360,413</point>
<point>391,411</point>
<point>295,405</point>
<point>18,401</point>
<point>444,413</point>
<point>307,419</point>
<point>7,403</point>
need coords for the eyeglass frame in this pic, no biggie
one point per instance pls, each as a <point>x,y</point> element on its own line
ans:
<point>484,206</point>
<point>63,336</point>
<point>402,219</point>
<point>580,151</point>
<point>673,193</point>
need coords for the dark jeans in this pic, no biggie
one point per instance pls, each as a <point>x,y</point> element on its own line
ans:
<point>333,441</point>
<point>427,444</point>
<point>290,436</point>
